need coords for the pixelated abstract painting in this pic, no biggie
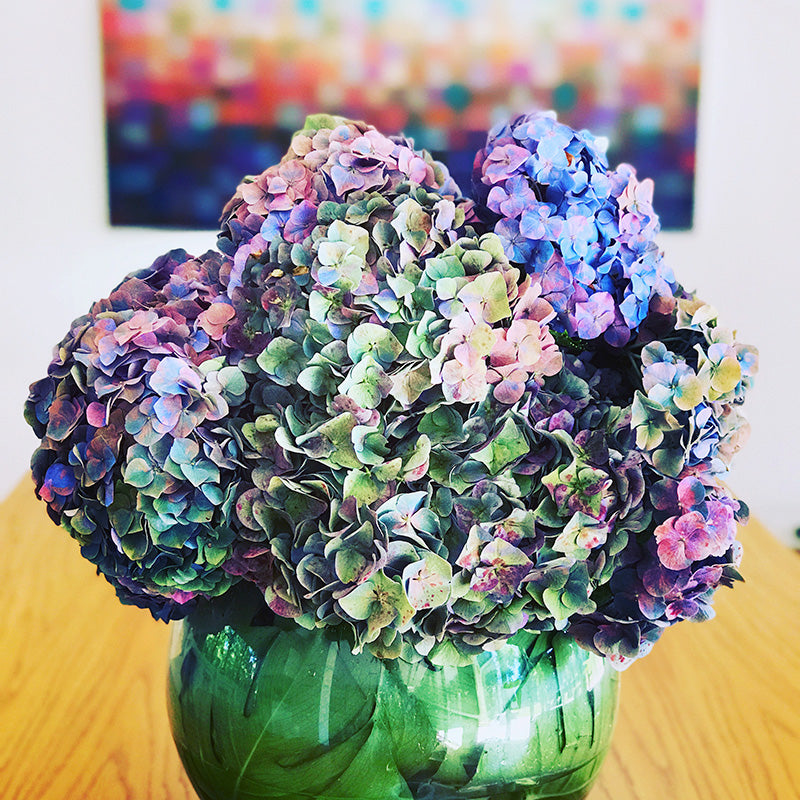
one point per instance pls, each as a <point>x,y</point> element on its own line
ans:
<point>201,92</point>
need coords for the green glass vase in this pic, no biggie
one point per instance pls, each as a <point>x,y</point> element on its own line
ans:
<point>262,708</point>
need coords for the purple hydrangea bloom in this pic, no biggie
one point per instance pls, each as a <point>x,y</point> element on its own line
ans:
<point>129,391</point>
<point>566,198</point>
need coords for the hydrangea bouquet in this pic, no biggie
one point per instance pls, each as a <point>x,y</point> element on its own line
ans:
<point>428,420</point>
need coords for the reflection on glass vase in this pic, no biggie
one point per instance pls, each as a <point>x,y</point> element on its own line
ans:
<point>262,708</point>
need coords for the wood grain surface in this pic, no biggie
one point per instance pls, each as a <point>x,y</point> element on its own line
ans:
<point>712,713</point>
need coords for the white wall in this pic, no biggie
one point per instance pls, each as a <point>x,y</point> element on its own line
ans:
<point>59,254</point>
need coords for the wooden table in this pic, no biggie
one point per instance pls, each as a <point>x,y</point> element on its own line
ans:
<point>713,712</point>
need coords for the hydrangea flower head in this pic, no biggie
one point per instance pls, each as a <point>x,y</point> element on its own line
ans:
<point>557,207</point>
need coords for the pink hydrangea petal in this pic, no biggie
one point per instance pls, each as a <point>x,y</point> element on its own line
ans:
<point>96,414</point>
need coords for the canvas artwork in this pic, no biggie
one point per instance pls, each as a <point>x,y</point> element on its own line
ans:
<point>201,92</point>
